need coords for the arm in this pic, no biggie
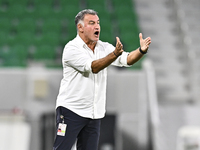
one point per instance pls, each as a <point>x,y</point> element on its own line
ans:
<point>135,55</point>
<point>98,65</point>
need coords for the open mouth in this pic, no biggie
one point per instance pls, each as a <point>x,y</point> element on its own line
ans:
<point>96,33</point>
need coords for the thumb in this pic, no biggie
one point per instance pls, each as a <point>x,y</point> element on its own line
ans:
<point>140,36</point>
<point>117,39</point>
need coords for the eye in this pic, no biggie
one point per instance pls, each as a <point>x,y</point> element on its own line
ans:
<point>91,22</point>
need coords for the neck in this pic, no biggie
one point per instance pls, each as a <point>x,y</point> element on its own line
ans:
<point>91,44</point>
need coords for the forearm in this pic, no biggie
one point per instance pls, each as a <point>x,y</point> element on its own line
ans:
<point>134,56</point>
<point>100,64</point>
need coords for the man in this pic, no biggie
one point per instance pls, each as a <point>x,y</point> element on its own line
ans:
<point>81,99</point>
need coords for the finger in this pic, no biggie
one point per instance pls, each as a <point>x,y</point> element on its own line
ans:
<point>117,39</point>
<point>118,44</point>
<point>148,41</point>
<point>140,36</point>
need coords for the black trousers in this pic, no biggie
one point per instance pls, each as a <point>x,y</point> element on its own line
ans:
<point>85,130</point>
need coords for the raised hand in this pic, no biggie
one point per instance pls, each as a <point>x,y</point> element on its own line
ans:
<point>144,43</point>
<point>119,47</point>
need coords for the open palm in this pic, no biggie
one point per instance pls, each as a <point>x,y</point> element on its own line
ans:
<point>144,43</point>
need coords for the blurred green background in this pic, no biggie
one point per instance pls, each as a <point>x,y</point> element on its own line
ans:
<point>35,31</point>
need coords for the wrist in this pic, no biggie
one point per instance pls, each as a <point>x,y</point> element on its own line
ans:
<point>141,51</point>
<point>116,54</point>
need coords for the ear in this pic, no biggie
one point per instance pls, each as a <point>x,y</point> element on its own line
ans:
<point>80,27</point>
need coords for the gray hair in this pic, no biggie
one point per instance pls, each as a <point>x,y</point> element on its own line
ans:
<point>80,16</point>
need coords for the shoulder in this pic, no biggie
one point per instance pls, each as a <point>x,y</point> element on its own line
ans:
<point>71,45</point>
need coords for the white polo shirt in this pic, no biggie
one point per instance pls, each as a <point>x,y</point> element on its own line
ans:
<point>82,91</point>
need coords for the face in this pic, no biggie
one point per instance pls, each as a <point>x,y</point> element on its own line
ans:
<point>91,28</point>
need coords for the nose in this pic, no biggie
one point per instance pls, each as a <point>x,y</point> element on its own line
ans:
<point>97,26</point>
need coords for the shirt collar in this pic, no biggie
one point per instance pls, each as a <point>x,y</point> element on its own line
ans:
<point>81,42</point>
